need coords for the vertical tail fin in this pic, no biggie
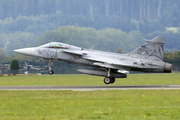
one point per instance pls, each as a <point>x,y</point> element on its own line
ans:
<point>152,50</point>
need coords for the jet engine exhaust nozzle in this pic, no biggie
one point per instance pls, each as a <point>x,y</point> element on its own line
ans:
<point>168,68</point>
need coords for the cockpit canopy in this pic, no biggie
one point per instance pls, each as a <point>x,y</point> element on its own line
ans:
<point>59,45</point>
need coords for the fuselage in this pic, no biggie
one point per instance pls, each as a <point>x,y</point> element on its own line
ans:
<point>80,56</point>
<point>146,58</point>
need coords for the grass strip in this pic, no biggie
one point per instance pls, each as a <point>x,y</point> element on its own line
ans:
<point>80,79</point>
<point>75,105</point>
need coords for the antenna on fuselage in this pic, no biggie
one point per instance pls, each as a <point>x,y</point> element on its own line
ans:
<point>92,47</point>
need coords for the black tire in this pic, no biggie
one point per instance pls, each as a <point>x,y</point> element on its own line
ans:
<point>107,80</point>
<point>112,80</point>
<point>51,72</point>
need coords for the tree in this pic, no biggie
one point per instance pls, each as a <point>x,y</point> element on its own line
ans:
<point>119,50</point>
<point>14,65</point>
<point>2,54</point>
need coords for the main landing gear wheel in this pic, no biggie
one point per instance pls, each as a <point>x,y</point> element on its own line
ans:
<point>107,80</point>
<point>51,72</point>
<point>112,80</point>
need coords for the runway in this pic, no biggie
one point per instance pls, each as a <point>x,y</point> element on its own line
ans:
<point>90,88</point>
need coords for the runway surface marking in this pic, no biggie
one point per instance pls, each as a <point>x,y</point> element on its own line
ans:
<point>90,88</point>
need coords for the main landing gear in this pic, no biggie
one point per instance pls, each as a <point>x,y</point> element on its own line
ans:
<point>50,64</point>
<point>109,79</point>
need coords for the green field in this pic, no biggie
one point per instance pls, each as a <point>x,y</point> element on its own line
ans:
<point>90,105</point>
<point>132,79</point>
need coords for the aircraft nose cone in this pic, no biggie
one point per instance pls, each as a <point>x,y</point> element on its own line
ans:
<point>25,51</point>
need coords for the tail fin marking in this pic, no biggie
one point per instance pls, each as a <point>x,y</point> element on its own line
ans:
<point>152,50</point>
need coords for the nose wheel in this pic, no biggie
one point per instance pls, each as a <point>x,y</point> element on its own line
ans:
<point>51,72</point>
<point>50,64</point>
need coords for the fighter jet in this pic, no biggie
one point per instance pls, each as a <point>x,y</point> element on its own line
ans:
<point>146,58</point>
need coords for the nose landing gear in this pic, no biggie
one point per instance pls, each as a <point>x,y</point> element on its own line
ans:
<point>51,72</point>
<point>50,64</point>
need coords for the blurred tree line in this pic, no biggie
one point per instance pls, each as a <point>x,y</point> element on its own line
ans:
<point>24,20</point>
<point>36,16</point>
<point>128,9</point>
<point>107,39</point>
<point>38,24</point>
<point>173,58</point>
<point>110,25</point>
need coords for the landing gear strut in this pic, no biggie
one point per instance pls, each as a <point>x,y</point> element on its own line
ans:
<point>109,79</point>
<point>50,64</point>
